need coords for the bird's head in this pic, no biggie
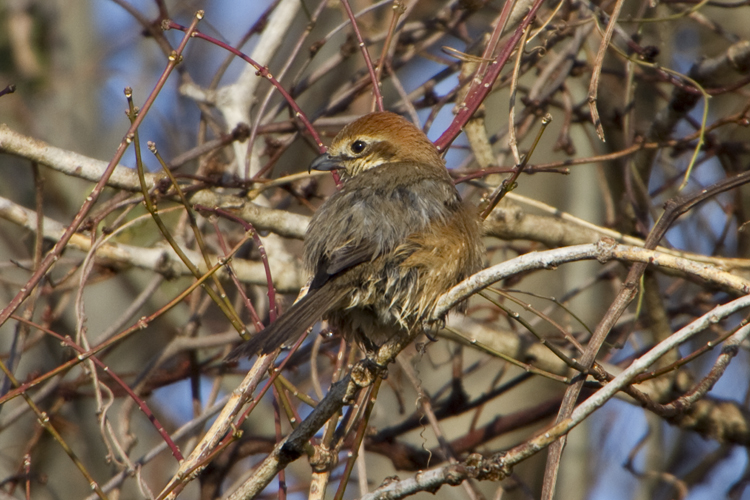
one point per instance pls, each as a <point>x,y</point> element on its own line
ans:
<point>375,139</point>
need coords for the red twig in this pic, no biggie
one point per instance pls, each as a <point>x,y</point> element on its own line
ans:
<point>251,309</point>
<point>57,250</point>
<point>27,474</point>
<point>375,83</point>
<point>398,10</point>
<point>262,71</point>
<point>489,50</point>
<point>480,89</point>
<point>263,256</point>
<point>141,324</point>
<point>140,402</point>
<point>274,374</point>
<point>230,437</point>
<point>277,427</point>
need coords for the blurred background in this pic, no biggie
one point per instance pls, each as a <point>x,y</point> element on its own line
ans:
<point>227,134</point>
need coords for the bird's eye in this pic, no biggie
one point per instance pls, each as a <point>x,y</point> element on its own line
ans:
<point>358,146</point>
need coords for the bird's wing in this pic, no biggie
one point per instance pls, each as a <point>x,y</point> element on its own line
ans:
<point>342,259</point>
<point>350,256</point>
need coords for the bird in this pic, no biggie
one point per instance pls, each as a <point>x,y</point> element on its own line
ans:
<point>383,248</point>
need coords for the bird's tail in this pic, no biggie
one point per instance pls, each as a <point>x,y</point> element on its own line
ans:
<point>291,325</point>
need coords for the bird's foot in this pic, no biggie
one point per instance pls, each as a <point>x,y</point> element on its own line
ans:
<point>364,375</point>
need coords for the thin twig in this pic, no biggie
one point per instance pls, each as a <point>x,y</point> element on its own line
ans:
<point>366,55</point>
<point>57,250</point>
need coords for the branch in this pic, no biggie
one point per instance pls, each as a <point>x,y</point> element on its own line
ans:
<point>499,466</point>
<point>603,251</point>
<point>287,278</point>
<point>54,254</point>
<point>70,163</point>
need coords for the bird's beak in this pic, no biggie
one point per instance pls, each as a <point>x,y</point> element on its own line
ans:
<point>325,162</point>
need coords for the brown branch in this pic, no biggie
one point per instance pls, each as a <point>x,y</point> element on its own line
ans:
<point>57,250</point>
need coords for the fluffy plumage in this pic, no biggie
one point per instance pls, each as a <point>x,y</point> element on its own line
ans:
<point>383,248</point>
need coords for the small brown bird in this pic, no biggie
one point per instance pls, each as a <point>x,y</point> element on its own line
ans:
<point>386,246</point>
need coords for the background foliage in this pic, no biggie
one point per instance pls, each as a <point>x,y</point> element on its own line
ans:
<point>667,85</point>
